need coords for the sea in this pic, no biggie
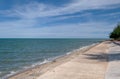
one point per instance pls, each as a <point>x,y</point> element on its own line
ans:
<point>19,54</point>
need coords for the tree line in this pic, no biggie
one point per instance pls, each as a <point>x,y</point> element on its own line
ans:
<point>115,34</point>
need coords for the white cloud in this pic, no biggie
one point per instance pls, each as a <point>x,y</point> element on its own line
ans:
<point>36,10</point>
<point>25,27</point>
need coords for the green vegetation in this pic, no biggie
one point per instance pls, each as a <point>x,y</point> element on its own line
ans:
<point>116,33</point>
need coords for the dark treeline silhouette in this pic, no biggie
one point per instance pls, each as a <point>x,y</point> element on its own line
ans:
<point>115,34</point>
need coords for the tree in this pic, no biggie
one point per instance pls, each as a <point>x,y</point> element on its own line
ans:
<point>116,33</point>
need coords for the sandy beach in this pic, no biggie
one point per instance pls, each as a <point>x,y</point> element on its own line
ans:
<point>88,63</point>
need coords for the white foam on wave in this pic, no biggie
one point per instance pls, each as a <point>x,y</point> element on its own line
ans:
<point>10,74</point>
<point>24,68</point>
<point>45,61</point>
<point>27,67</point>
<point>40,63</point>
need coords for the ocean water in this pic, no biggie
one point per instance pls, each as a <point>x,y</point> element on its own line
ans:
<point>19,54</point>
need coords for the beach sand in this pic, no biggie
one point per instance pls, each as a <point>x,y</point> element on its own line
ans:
<point>89,63</point>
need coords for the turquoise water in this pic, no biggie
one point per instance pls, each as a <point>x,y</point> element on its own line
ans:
<point>18,54</point>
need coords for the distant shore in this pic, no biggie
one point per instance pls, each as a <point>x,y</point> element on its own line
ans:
<point>37,71</point>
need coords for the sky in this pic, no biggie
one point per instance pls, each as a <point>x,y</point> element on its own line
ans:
<point>58,18</point>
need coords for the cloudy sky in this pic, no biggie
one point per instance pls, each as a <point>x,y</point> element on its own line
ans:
<point>58,18</point>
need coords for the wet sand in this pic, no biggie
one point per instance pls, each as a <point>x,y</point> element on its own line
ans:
<point>89,63</point>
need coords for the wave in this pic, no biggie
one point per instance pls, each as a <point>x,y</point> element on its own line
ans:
<point>10,74</point>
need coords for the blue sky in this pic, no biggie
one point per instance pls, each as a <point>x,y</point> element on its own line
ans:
<point>58,18</point>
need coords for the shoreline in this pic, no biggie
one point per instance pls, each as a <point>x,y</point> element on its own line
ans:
<point>92,64</point>
<point>51,64</point>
